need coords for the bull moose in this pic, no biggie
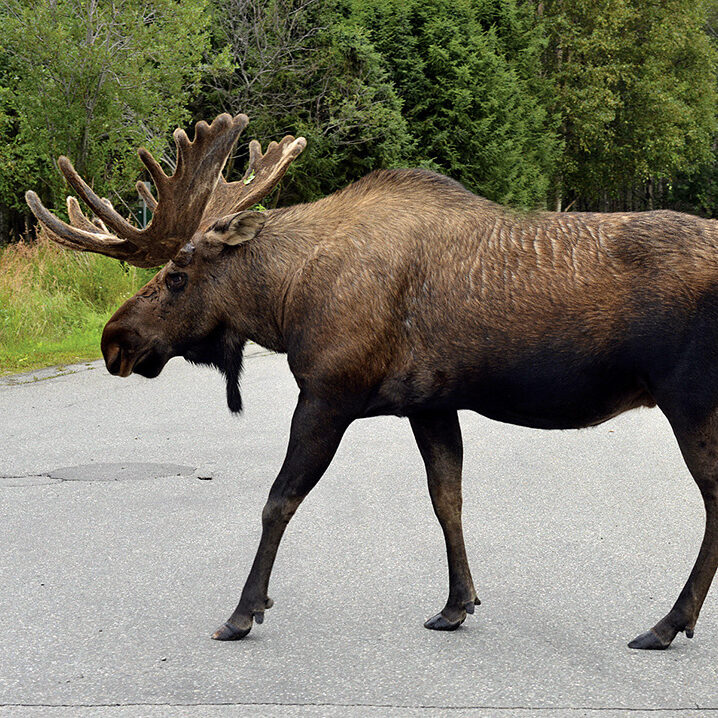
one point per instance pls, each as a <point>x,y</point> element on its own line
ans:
<point>406,294</point>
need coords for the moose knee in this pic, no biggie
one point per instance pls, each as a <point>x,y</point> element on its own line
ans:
<point>278,510</point>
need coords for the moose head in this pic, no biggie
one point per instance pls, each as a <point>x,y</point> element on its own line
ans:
<point>197,219</point>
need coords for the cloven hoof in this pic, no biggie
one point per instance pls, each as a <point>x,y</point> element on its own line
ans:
<point>649,641</point>
<point>226,632</point>
<point>441,623</point>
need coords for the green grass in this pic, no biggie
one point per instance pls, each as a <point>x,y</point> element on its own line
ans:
<point>54,303</point>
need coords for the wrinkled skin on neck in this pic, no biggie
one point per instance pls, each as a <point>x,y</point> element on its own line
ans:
<point>182,311</point>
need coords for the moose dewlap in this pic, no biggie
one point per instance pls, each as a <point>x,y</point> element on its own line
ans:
<point>406,294</point>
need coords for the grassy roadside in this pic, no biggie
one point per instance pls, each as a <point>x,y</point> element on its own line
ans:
<point>54,303</point>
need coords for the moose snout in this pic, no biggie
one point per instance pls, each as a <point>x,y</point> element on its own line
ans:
<point>119,349</point>
<point>117,354</point>
<point>128,351</point>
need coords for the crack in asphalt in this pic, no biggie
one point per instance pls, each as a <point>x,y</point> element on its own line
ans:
<point>103,473</point>
<point>40,480</point>
<point>11,380</point>
<point>362,705</point>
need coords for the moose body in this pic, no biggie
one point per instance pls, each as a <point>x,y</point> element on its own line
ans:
<point>406,294</point>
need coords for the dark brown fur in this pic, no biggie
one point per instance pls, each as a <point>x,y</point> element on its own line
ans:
<point>406,294</point>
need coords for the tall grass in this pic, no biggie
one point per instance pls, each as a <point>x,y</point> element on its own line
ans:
<point>54,303</point>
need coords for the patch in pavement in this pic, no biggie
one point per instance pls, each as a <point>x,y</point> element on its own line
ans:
<point>99,472</point>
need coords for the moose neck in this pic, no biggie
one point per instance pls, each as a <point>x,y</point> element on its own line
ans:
<point>263,272</point>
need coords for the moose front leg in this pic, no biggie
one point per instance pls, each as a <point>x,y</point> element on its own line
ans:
<point>699,444</point>
<point>313,440</point>
<point>438,436</point>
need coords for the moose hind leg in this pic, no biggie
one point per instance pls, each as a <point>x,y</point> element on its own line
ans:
<point>313,440</point>
<point>698,441</point>
<point>438,436</point>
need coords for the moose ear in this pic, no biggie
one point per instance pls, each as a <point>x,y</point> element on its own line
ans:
<point>237,228</point>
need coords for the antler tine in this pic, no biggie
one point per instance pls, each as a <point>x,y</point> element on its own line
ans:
<point>264,171</point>
<point>80,238</point>
<point>144,192</point>
<point>101,207</point>
<point>77,218</point>
<point>268,168</point>
<point>184,146</point>
<point>153,167</point>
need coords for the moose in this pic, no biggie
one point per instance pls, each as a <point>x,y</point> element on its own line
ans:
<point>406,294</point>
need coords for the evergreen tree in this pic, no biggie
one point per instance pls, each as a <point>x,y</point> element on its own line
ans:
<point>468,75</point>
<point>600,104</point>
<point>696,188</point>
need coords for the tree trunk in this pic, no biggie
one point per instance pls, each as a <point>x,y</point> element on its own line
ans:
<point>4,223</point>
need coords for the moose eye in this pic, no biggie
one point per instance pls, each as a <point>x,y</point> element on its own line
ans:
<point>176,281</point>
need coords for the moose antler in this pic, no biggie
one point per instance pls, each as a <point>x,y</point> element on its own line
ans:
<point>194,196</point>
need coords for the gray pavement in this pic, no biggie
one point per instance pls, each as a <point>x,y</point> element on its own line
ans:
<point>111,580</point>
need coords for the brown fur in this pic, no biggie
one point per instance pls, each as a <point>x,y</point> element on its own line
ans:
<point>406,294</point>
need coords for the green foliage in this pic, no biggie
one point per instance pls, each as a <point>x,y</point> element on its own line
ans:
<point>521,100</point>
<point>634,83</point>
<point>301,67</point>
<point>597,104</point>
<point>54,303</point>
<point>93,80</point>
<point>384,83</point>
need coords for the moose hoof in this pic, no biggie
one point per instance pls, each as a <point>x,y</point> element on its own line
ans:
<point>649,641</point>
<point>227,632</point>
<point>469,606</point>
<point>441,623</point>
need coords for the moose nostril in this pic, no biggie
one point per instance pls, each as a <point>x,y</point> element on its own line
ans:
<point>113,359</point>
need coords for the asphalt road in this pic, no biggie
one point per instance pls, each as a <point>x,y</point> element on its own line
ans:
<point>112,580</point>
